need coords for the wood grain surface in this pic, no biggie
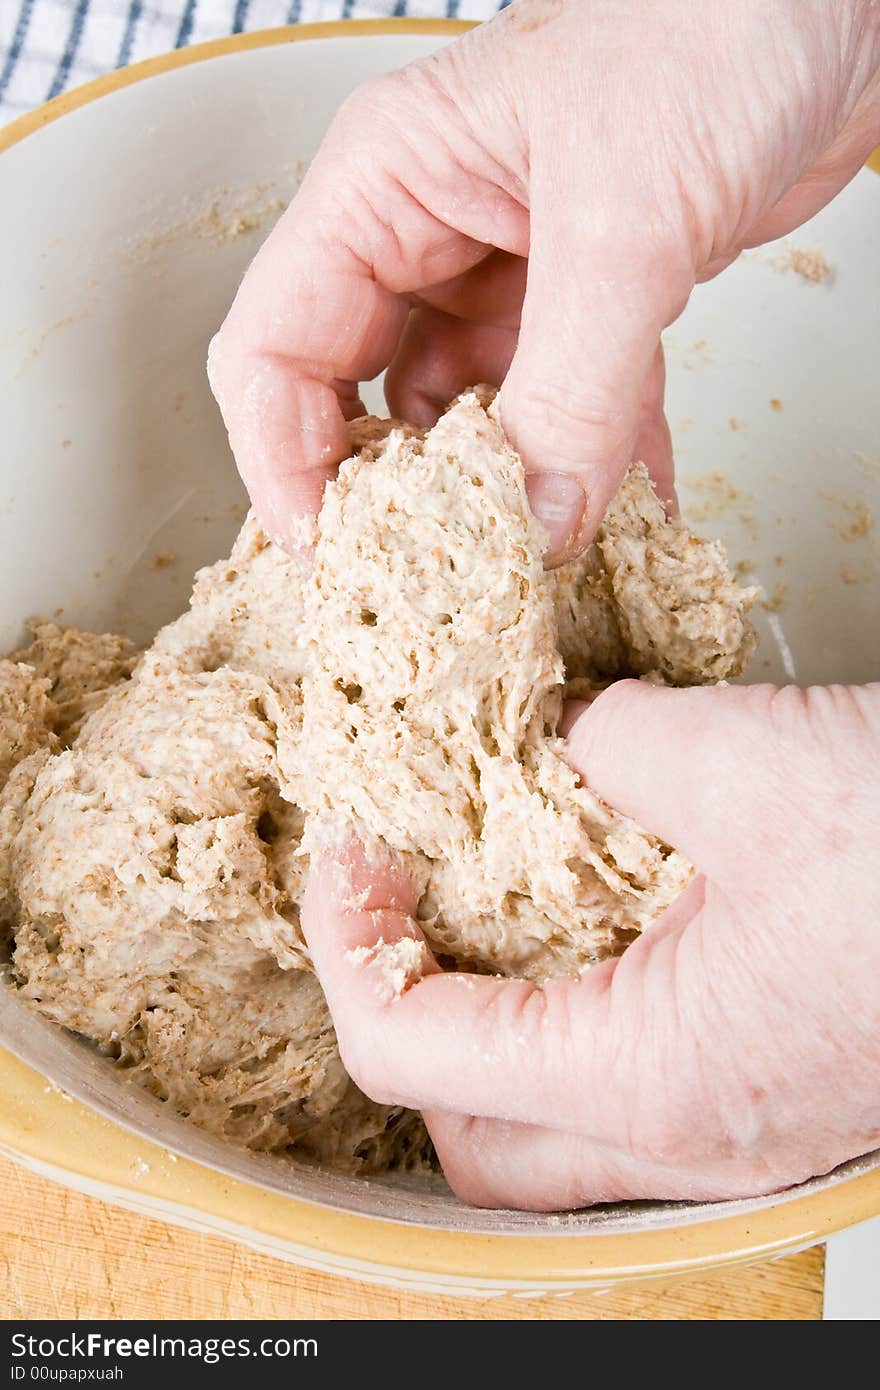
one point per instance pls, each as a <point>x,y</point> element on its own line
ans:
<point>63,1255</point>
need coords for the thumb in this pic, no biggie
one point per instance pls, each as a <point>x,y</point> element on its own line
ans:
<point>708,769</point>
<point>572,400</point>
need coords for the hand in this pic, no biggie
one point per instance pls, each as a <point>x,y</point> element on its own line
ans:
<point>533,205</point>
<point>733,1050</point>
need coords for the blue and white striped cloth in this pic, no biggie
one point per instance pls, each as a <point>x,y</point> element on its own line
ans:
<point>47,46</point>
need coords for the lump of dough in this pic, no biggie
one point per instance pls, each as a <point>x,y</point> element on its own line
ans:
<point>26,715</point>
<point>433,691</point>
<point>26,740</point>
<point>46,690</point>
<point>588,628</point>
<point>245,613</point>
<point>650,597</point>
<point>155,875</point>
<point>679,610</point>
<point>211,1024</point>
<point>81,667</point>
<point>165,808</point>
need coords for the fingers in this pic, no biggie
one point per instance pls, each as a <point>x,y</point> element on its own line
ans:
<point>365,944</point>
<point>490,1163</point>
<point>491,293</point>
<point>308,323</point>
<point>572,401</point>
<point>286,432</point>
<point>412,1035</point>
<point>443,353</point>
<point>324,303</point>
<point>585,1056</point>
<point>613,1062</point>
<point>439,356</point>
<point>653,444</point>
<point>682,763</point>
<point>461,333</point>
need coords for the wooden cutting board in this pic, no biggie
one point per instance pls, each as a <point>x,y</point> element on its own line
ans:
<point>63,1255</point>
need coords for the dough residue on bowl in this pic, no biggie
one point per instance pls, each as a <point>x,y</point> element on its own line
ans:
<point>158,813</point>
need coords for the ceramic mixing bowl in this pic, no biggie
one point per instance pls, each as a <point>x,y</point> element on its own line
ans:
<point>130,209</point>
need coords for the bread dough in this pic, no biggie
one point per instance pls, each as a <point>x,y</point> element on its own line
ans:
<point>409,686</point>
<point>433,689</point>
<point>153,900</point>
<point>80,669</point>
<point>26,715</point>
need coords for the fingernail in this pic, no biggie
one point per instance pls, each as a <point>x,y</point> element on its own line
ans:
<point>558,501</point>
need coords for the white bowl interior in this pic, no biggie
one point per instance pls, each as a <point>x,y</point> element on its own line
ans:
<point>128,225</point>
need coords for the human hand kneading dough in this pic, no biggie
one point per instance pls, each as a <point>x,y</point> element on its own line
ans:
<point>532,206</point>
<point>733,1049</point>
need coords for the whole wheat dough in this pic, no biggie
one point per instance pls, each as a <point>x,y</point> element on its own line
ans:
<point>434,680</point>
<point>150,872</point>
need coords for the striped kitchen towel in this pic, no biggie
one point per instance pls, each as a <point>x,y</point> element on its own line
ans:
<point>47,46</point>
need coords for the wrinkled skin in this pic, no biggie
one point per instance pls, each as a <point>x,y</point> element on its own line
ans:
<point>734,1048</point>
<point>603,154</point>
<point>531,207</point>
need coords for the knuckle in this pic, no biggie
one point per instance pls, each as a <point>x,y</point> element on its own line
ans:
<point>224,366</point>
<point>216,364</point>
<point>721,1131</point>
<point>375,103</point>
<point>553,422</point>
<point>825,723</point>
